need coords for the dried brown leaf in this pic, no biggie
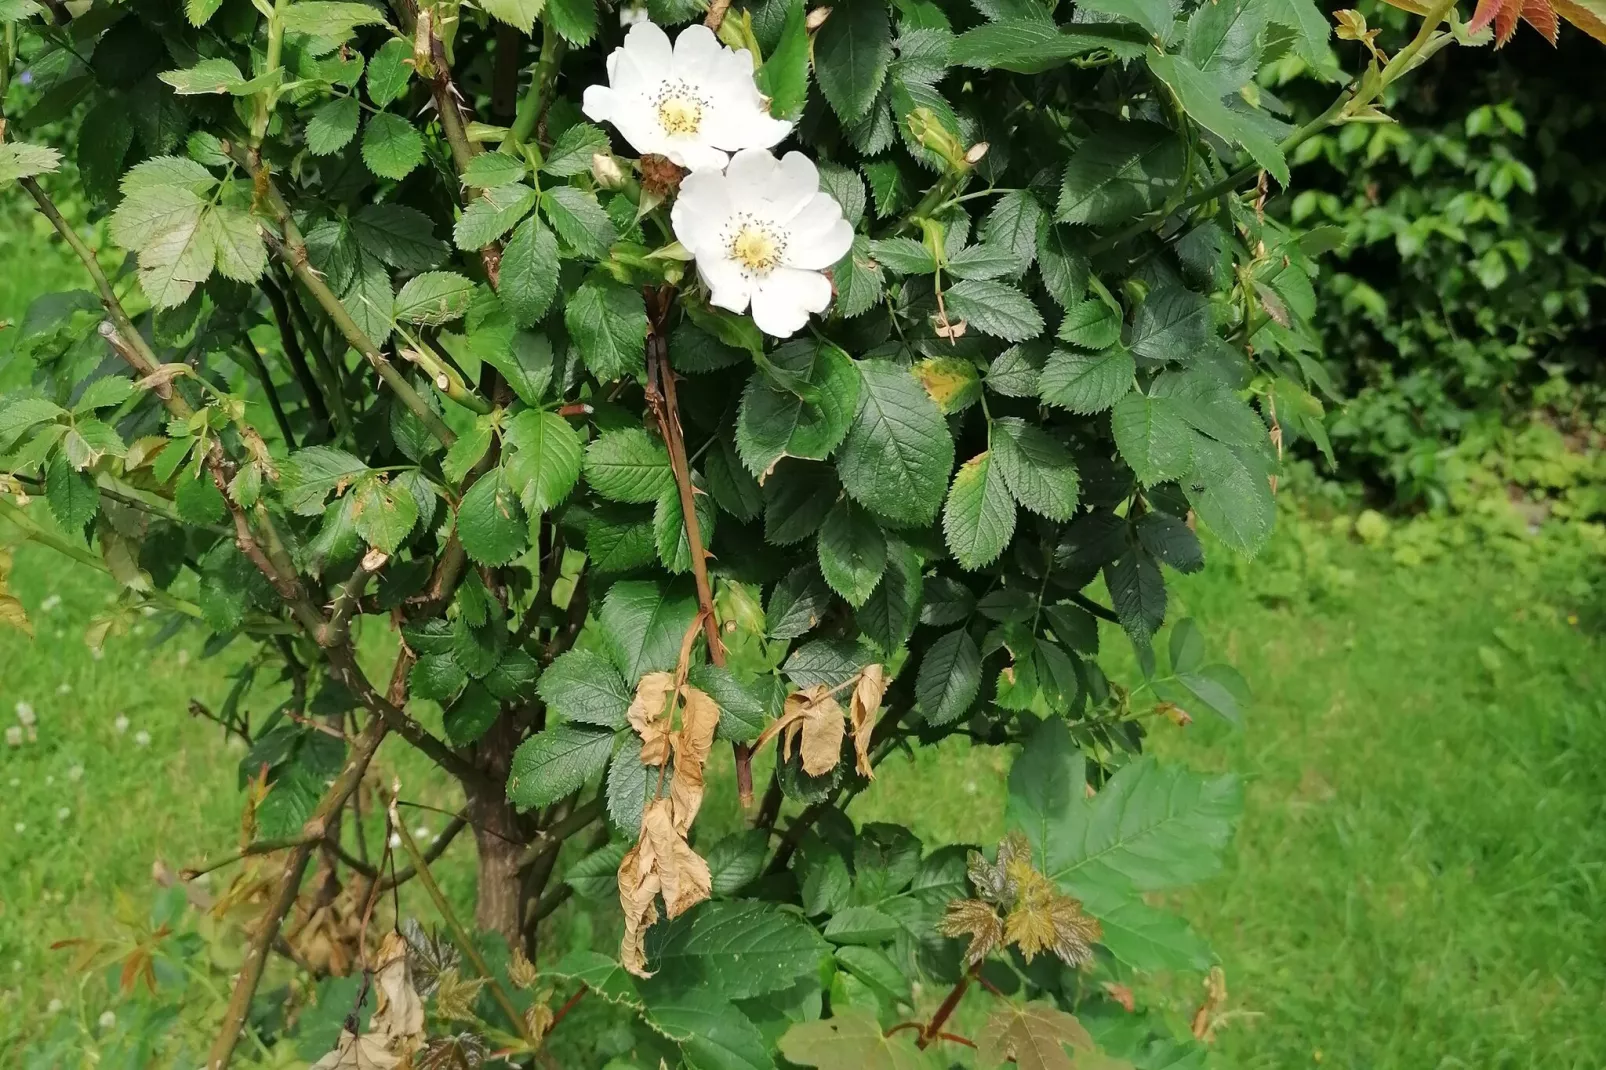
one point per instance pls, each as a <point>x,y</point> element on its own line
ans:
<point>538,1018</point>
<point>820,724</point>
<point>638,894</point>
<point>352,1052</point>
<point>867,696</point>
<point>683,876</point>
<point>398,1012</point>
<point>699,718</point>
<point>979,921</point>
<point>649,715</point>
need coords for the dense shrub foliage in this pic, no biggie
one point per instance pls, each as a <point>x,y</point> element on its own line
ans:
<point>1470,288</point>
<point>497,338</point>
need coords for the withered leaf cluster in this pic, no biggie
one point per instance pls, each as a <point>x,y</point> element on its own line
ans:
<point>662,863</point>
<point>1018,905</point>
<point>396,1030</point>
<point>813,724</point>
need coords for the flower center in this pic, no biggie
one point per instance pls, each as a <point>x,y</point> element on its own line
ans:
<point>680,110</point>
<point>757,248</point>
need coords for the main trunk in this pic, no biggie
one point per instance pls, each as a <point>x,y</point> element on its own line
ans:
<point>499,906</point>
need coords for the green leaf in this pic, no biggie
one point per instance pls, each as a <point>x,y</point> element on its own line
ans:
<point>1152,438</point>
<point>529,271</point>
<point>1033,45</point>
<point>391,146</point>
<point>852,53</point>
<point>546,459</point>
<point>434,298</point>
<point>492,170</point>
<point>1151,827</point>
<point>102,393</point>
<point>1037,469</point>
<point>736,860</point>
<point>384,514</point>
<point>1221,41</point>
<point>775,422</point>
<point>1120,172</point>
<point>216,75</point>
<point>950,677</point>
<point>490,521</point>
<point>555,763</point>
<point>851,1037</point>
<point>1156,16</point>
<point>1201,95</point>
<point>237,244</point>
<point>798,603</point>
<point>628,786</point>
<point>571,154</point>
<point>1210,407</point>
<point>1091,324</point>
<point>575,20</point>
<point>852,551</point>
<point>1312,31</point>
<point>471,716</point>
<point>370,300</point>
<point>402,237</point>
<point>200,12</point>
<point>979,520</point>
<point>995,308</point>
<point>1146,938</point>
<point>465,453</point>
<point>1231,492</point>
<point>1013,224</point>
<point>733,487</point>
<point>492,214</point>
<point>1087,383</point>
<point>328,18</point>
<point>526,364</point>
<point>520,14</point>
<point>739,950</point>
<point>903,255</point>
<point>784,77</point>
<point>1065,267</point>
<point>644,624</point>
<point>436,676</point>
<point>1137,590</point>
<point>73,499</point>
<point>889,616</point>
<point>862,925</point>
<point>308,476</point>
<point>742,711</point>
<point>711,1032</point>
<point>669,528</point>
<point>332,126</point>
<point>608,322</point>
<point>579,221</point>
<point>985,261</point>
<point>629,466</point>
<point>582,686</point>
<point>898,453</point>
<point>390,68</point>
<point>1171,541</point>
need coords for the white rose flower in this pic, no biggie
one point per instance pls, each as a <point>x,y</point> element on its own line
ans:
<point>692,102</point>
<point>762,232</point>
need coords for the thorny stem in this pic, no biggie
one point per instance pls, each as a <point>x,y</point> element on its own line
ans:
<point>293,250</point>
<point>661,396</point>
<point>464,940</point>
<point>266,378</point>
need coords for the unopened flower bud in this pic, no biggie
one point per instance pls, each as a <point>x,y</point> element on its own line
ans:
<point>977,152</point>
<point>816,18</point>
<point>929,131</point>
<point>605,169</point>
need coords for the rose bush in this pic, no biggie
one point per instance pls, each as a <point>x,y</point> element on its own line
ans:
<point>843,394</point>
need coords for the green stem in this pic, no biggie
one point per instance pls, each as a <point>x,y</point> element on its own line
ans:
<point>465,942</point>
<point>536,98</point>
<point>269,97</point>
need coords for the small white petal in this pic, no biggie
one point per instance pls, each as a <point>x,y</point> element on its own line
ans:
<point>649,46</point>
<point>695,156</point>
<point>598,103</point>
<point>729,286</point>
<point>695,45</point>
<point>823,242</point>
<point>783,301</point>
<point>797,182</point>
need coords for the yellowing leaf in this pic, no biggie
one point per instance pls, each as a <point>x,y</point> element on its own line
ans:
<point>952,382</point>
<point>852,1038</point>
<point>1034,1035</point>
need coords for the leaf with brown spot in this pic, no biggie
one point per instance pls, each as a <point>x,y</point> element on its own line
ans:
<point>867,696</point>
<point>1034,1035</point>
<point>649,715</point>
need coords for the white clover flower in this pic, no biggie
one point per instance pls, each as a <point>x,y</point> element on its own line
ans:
<point>121,723</point>
<point>25,714</point>
<point>693,102</point>
<point>54,1006</point>
<point>14,736</point>
<point>142,738</point>
<point>64,688</point>
<point>50,603</point>
<point>75,774</point>
<point>64,813</point>
<point>762,232</point>
<point>108,1019</point>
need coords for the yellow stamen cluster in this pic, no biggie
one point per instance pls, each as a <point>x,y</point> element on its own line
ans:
<point>756,249</point>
